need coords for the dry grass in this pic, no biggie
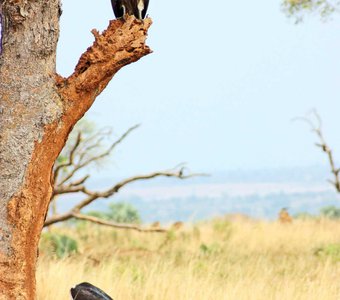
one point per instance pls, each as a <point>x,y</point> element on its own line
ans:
<point>213,260</point>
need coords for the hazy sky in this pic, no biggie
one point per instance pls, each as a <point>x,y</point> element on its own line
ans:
<point>221,87</point>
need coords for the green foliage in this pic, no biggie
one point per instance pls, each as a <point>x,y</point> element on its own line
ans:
<point>330,212</point>
<point>332,251</point>
<point>224,227</point>
<point>98,214</point>
<point>169,239</point>
<point>171,235</point>
<point>297,8</point>
<point>62,159</point>
<point>59,245</point>
<point>221,225</point>
<point>137,274</point>
<point>123,213</point>
<point>212,249</point>
<point>119,212</point>
<point>304,216</point>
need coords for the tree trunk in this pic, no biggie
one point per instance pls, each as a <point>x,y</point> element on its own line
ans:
<point>38,109</point>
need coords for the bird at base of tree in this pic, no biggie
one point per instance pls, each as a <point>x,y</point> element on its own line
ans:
<point>87,291</point>
<point>137,8</point>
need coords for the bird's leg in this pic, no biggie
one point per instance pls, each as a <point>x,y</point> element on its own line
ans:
<point>124,10</point>
<point>140,7</point>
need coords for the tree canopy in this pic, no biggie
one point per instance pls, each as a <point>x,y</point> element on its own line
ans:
<point>298,8</point>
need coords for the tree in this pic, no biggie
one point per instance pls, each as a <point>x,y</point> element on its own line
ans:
<point>85,147</point>
<point>315,124</point>
<point>38,109</point>
<point>120,213</point>
<point>324,8</point>
<point>330,212</point>
<point>297,8</point>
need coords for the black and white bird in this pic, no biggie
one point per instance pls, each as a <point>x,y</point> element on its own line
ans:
<point>87,291</point>
<point>137,8</point>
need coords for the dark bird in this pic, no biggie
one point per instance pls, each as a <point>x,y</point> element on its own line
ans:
<point>87,291</point>
<point>135,8</point>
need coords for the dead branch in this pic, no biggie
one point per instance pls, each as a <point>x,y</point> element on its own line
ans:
<point>115,189</point>
<point>92,195</point>
<point>77,154</point>
<point>116,225</point>
<point>322,144</point>
<point>122,43</point>
<point>64,173</point>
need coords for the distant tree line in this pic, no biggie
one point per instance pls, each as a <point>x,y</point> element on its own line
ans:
<point>329,212</point>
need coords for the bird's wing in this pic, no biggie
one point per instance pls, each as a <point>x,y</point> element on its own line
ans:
<point>116,8</point>
<point>146,4</point>
<point>87,291</point>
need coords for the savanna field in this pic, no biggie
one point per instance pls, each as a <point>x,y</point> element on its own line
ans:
<point>218,259</point>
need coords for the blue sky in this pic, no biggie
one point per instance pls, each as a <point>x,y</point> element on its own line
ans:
<point>221,88</point>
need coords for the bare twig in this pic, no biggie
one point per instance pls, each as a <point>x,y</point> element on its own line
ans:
<point>322,144</point>
<point>109,150</point>
<point>75,167</point>
<point>79,181</point>
<point>70,190</point>
<point>70,159</point>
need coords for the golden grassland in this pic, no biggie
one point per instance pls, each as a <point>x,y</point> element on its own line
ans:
<point>211,260</point>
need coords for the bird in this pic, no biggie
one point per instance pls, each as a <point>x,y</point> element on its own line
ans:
<point>135,8</point>
<point>87,291</point>
<point>284,216</point>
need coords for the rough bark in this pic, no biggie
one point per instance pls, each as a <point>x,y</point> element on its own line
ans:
<point>38,109</point>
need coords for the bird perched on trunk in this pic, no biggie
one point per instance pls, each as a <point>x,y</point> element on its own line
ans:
<point>87,291</point>
<point>135,8</point>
